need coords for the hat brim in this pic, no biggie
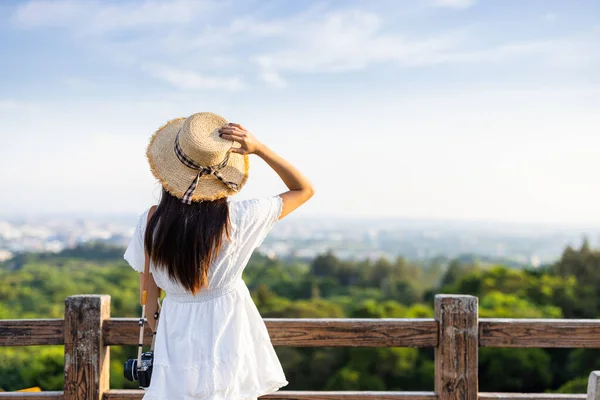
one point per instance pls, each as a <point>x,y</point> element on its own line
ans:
<point>176,177</point>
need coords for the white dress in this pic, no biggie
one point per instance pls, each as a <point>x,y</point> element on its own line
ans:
<point>214,345</point>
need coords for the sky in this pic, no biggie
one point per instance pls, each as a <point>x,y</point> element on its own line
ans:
<point>425,109</point>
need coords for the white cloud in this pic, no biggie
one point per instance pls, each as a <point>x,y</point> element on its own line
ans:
<point>273,78</point>
<point>345,41</point>
<point>349,40</point>
<point>355,40</point>
<point>316,40</point>
<point>460,4</point>
<point>98,16</point>
<point>9,105</point>
<point>192,80</point>
<point>48,13</point>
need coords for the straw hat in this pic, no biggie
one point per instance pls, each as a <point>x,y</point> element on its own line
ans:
<point>193,163</point>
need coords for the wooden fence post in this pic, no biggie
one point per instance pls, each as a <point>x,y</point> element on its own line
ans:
<point>593,391</point>
<point>456,354</point>
<point>86,357</point>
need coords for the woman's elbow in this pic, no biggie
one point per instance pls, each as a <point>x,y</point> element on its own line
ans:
<point>310,191</point>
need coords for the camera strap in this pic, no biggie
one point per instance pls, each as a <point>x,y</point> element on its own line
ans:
<point>145,283</point>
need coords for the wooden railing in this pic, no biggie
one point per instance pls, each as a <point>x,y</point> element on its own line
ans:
<point>456,333</point>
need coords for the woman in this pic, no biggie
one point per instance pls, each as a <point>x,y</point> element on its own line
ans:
<point>211,341</point>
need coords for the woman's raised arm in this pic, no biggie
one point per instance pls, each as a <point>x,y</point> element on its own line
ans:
<point>300,188</point>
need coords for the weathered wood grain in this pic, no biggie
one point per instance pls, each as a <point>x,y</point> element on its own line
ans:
<point>353,332</point>
<point>545,333</point>
<point>313,332</point>
<point>86,356</point>
<point>539,333</point>
<point>304,395</point>
<point>456,355</point>
<point>530,396</point>
<point>31,332</point>
<point>593,389</point>
<point>125,331</point>
<point>32,395</point>
<point>138,394</point>
<point>291,395</point>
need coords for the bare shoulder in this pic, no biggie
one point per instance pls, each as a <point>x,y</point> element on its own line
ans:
<point>151,211</point>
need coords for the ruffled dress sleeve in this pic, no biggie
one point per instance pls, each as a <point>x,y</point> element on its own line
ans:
<point>256,218</point>
<point>134,254</point>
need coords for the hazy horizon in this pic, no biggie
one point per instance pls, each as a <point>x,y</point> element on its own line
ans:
<point>437,110</point>
<point>327,219</point>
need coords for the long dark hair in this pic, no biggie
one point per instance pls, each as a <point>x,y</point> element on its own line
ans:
<point>184,238</point>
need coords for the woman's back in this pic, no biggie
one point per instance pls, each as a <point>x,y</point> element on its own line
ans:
<point>214,344</point>
<point>250,222</point>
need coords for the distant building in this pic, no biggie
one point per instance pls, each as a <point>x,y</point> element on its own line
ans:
<point>5,255</point>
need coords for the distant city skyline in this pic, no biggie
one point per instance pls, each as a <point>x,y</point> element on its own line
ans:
<point>458,110</point>
<point>516,245</point>
<point>328,218</point>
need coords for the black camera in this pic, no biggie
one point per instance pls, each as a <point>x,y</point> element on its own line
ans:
<point>141,373</point>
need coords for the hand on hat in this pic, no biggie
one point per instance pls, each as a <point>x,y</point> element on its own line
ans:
<point>237,133</point>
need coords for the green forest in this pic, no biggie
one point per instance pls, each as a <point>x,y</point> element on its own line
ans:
<point>36,285</point>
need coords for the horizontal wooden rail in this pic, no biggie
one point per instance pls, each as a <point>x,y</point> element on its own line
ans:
<point>292,395</point>
<point>31,332</point>
<point>354,332</point>
<point>531,396</point>
<point>313,332</point>
<point>541,333</point>
<point>521,333</point>
<point>137,394</point>
<point>32,395</point>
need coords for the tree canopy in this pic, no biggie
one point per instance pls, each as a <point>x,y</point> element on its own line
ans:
<point>36,285</point>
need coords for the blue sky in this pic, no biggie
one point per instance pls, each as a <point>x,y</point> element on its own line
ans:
<point>453,109</point>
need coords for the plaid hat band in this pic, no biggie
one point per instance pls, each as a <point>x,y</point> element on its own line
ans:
<point>202,170</point>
